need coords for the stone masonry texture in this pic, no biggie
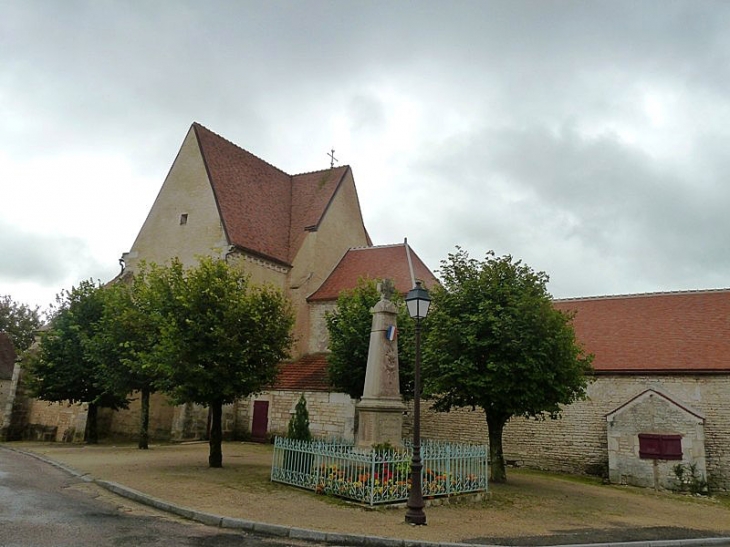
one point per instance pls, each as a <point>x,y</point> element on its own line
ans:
<point>577,442</point>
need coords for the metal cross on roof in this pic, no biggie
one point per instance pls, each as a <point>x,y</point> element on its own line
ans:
<point>333,159</point>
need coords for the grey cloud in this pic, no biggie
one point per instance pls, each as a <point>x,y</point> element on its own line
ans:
<point>47,260</point>
<point>366,112</point>
<point>525,191</point>
<point>527,77</point>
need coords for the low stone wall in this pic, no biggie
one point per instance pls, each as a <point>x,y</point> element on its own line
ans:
<point>125,423</point>
<point>61,422</point>
<point>577,443</point>
<point>331,415</point>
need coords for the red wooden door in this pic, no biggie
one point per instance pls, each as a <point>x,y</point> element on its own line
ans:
<point>260,421</point>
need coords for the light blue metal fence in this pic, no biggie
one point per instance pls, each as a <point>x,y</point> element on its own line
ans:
<point>378,476</point>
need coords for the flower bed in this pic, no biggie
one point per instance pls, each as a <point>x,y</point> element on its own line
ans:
<point>378,476</point>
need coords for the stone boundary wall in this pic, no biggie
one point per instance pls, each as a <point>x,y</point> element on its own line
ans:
<point>331,415</point>
<point>125,423</point>
<point>190,422</point>
<point>60,422</point>
<point>577,443</point>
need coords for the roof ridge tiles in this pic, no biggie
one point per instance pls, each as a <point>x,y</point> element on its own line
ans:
<point>243,149</point>
<point>320,171</point>
<point>641,294</point>
<point>386,246</point>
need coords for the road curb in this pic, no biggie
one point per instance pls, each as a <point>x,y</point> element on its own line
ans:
<point>304,534</point>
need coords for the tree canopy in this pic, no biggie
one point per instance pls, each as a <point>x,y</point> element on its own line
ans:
<point>203,335</point>
<point>495,341</point>
<point>126,342</point>
<point>65,368</point>
<point>221,338</point>
<point>349,328</point>
<point>20,321</point>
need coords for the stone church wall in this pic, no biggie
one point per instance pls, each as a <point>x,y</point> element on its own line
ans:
<point>184,221</point>
<point>577,443</point>
<point>318,334</point>
<point>4,397</point>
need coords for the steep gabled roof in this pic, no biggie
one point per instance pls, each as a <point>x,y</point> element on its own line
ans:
<point>263,209</point>
<point>676,332</point>
<point>306,374</point>
<point>311,195</point>
<point>386,261</point>
<point>7,356</point>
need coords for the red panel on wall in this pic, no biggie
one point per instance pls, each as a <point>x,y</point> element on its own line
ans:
<point>660,447</point>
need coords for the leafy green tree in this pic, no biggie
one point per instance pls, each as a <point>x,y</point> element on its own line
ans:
<point>349,328</point>
<point>221,337</point>
<point>20,321</point>
<point>495,341</point>
<point>299,423</point>
<point>64,368</point>
<point>126,341</point>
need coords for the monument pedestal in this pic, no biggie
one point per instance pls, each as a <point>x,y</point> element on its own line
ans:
<point>380,421</point>
<point>380,411</point>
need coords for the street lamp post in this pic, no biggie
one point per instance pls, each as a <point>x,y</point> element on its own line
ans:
<point>418,302</point>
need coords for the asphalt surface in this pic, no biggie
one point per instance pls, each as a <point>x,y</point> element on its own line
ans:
<point>41,505</point>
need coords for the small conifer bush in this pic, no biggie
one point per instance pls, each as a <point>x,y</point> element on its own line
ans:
<point>299,423</point>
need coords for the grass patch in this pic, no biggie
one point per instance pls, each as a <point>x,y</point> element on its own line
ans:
<point>578,479</point>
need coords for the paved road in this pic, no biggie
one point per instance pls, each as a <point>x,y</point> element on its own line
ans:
<point>43,506</point>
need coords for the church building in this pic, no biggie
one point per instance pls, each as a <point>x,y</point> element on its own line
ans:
<point>302,233</point>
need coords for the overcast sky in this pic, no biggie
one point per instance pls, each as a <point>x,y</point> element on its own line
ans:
<point>590,139</point>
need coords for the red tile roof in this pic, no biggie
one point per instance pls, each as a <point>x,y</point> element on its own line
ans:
<point>263,209</point>
<point>309,373</point>
<point>311,195</point>
<point>7,356</point>
<point>660,332</point>
<point>386,261</point>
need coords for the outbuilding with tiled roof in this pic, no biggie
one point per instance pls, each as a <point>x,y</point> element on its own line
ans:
<point>685,332</point>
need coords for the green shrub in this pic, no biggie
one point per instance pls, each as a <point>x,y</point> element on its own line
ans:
<point>299,423</point>
<point>689,479</point>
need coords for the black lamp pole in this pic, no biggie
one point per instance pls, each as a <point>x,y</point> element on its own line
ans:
<point>418,302</point>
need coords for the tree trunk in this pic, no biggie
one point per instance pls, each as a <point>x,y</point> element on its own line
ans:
<point>91,434</point>
<point>495,424</point>
<point>215,459</point>
<point>144,425</point>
